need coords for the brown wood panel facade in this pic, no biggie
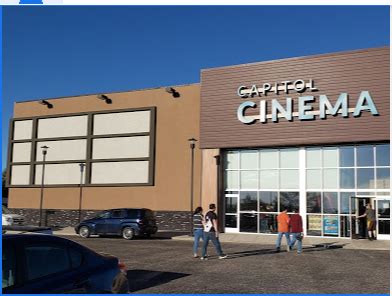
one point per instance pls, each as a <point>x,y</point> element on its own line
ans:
<point>346,72</point>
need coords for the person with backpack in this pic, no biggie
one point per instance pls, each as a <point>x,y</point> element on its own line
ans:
<point>211,233</point>
<point>197,229</point>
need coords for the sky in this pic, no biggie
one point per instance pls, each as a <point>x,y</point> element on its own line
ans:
<point>50,52</point>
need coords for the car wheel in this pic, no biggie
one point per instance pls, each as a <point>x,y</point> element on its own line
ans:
<point>128,233</point>
<point>84,231</point>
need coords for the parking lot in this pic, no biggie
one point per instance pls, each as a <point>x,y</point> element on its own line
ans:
<point>163,265</point>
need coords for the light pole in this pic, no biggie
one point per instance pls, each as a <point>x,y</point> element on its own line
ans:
<point>44,152</point>
<point>192,144</point>
<point>81,165</point>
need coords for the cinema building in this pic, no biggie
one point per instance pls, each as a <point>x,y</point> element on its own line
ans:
<point>309,133</point>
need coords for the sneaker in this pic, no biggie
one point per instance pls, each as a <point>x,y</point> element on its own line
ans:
<point>290,248</point>
<point>223,257</point>
<point>299,253</point>
<point>195,256</point>
<point>277,250</point>
<point>203,258</point>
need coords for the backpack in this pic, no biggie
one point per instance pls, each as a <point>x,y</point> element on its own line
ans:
<point>208,224</point>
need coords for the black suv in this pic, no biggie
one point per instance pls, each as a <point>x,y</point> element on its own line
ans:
<point>127,223</point>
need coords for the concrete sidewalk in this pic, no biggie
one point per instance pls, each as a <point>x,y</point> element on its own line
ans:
<point>360,244</point>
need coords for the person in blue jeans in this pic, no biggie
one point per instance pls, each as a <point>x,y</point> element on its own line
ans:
<point>211,233</point>
<point>295,225</point>
<point>197,229</point>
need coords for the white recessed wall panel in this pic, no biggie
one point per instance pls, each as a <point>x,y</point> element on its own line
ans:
<point>21,152</point>
<point>23,129</point>
<point>122,123</point>
<point>71,126</point>
<point>63,150</point>
<point>57,174</point>
<point>119,172</point>
<point>20,175</point>
<point>122,147</point>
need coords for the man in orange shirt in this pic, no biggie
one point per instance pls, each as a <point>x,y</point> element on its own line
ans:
<point>283,229</point>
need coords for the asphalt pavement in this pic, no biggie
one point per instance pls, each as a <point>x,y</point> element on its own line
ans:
<point>166,265</point>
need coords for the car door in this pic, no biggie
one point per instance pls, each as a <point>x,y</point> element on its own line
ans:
<point>116,219</point>
<point>101,222</point>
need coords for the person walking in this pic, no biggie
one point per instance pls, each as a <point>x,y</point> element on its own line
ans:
<point>211,233</point>
<point>197,229</point>
<point>283,229</point>
<point>295,225</point>
<point>370,215</point>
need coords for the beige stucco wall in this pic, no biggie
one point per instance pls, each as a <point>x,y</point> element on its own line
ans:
<point>209,193</point>
<point>177,120</point>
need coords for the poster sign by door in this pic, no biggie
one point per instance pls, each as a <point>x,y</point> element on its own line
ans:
<point>330,225</point>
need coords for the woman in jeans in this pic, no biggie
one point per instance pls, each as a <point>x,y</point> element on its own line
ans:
<point>198,219</point>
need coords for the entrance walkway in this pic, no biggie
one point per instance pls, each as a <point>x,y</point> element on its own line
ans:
<point>360,244</point>
<point>363,244</point>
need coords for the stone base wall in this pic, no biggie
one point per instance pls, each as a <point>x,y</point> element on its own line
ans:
<point>166,220</point>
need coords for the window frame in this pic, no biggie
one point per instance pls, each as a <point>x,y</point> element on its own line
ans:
<point>89,157</point>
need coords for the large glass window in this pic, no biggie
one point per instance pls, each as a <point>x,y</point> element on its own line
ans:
<point>330,157</point>
<point>249,159</point>
<point>346,155</point>
<point>365,156</point>
<point>248,222</point>
<point>289,158</point>
<point>231,180</point>
<point>289,179</point>
<point>330,203</point>
<point>289,201</point>
<point>249,179</point>
<point>313,179</point>
<point>330,179</point>
<point>313,157</point>
<point>347,178</point>
<point>248,201</point>
<point>383,178</point>
<point>268,201</point>
<point>268,181</point>
<point>365,178</point>
<point>269,159</point>
<point>382,155</point>
<point>232,160</point>
<point>313,202</point>
<point>268,223</point>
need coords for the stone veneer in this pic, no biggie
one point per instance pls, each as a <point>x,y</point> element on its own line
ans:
<point>166,220</point>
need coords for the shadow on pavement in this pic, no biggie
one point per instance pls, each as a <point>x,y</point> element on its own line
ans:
<point>168,234</point>
<point>314,248</point>
<point>142,279</point>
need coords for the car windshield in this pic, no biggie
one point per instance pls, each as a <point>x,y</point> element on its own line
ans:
<point>6,211</point>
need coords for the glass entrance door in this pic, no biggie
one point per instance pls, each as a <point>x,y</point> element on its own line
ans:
<point>382,207</point>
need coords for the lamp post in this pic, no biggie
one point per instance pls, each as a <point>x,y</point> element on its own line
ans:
<point>81,165</point>
<point>44,152</point>
<point>192,144</point>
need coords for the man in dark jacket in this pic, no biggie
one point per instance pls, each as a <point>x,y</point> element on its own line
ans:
<point>296,230</point>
